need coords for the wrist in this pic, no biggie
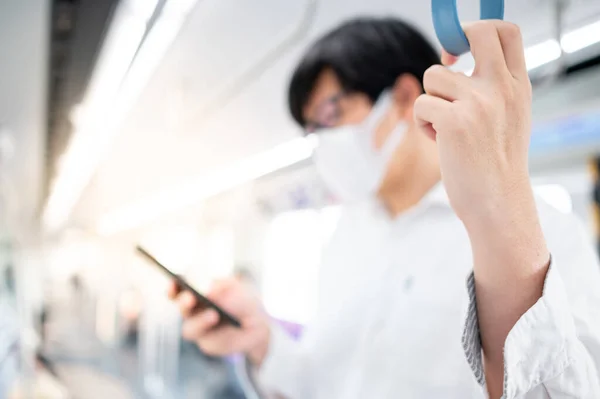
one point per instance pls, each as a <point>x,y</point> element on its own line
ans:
<point>512,205</point>
<point>508,241</point>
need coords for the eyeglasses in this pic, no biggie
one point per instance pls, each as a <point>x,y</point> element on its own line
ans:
<point>327,115</point>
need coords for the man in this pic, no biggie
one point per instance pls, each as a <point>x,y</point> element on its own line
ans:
<point>392,302</point>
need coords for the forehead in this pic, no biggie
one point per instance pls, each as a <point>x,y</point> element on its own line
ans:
<point>326,86</point>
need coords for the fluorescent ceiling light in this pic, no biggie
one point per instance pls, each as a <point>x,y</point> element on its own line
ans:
<point>76,164</point>
<point>127,62</point>
<point>179,197</point>
<point>537,55</point>
<point>549,51</point>
<point>581,38</point>
<point>541,54</point>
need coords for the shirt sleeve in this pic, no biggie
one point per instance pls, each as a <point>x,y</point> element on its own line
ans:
<point>285,372</point>
<point>553,351</point>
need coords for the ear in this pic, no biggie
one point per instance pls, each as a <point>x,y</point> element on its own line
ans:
<point>405,92</point>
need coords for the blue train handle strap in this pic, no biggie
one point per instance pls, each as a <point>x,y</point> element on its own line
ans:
<point>447,24</point>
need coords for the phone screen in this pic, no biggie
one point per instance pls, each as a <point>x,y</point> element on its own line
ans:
<point>203,302</point>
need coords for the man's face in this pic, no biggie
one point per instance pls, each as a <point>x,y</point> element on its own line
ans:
<point>330,106</point>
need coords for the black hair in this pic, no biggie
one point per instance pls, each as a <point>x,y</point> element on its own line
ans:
<point>367,55</point>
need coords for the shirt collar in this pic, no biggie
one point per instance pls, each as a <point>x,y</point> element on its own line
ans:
<point>436,196</point>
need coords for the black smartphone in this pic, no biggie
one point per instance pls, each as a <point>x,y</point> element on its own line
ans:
<point>203,302</point>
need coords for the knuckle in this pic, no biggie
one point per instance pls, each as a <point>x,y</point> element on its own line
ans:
<point>481,106</point>
<point>466,121</point>
<point>421,99</point>
<point>432,76</point>
<point>433,71</point>
<point>479,101</point>
<point>188,332</point>
<point>506,90</point>
<point>419,104</point>
<point>184,309</point>
<point>482,27</point>
<point>512,30</point>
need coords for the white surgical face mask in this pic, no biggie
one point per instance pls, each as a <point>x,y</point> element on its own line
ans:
<point>346,157</point>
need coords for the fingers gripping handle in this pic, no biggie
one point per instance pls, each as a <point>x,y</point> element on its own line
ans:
<point>447,24</point>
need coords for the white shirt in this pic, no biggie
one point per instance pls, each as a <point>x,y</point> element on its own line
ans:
<point>392,310</point>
